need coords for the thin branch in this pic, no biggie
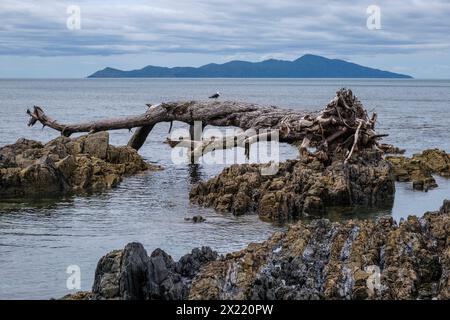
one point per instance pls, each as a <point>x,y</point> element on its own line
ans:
<point>355,142</point>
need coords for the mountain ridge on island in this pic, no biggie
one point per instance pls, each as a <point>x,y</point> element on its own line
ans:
<point>307,66</point>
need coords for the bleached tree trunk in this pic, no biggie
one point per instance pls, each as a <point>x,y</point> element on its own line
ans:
<point>342,125</point>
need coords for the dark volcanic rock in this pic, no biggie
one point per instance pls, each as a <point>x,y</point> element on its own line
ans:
<point>63,164</point>
<point>133,273</point>
<point>130,274</point>
<point>300,188</point>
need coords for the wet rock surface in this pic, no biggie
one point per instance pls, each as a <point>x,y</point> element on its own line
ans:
<point>88,162</point>
<point>420,167</point>
<point>300,188</point>
<point>318,260</point>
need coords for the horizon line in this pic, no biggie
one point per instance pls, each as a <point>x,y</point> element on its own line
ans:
<point>197,78</point>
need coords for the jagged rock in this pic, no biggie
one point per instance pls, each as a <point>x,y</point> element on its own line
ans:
<point>351,260</point>
<point>130,274</point>
<point>107,274</point>
<point>133,273</point>
<point>300,188</point>
<point>356,259</point>
<point>64,165</point>
<point>419,168</point>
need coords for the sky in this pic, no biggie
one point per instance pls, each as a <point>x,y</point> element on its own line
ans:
<point>45,39</point>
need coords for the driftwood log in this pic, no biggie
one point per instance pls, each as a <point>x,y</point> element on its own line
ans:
<point>341,128</point>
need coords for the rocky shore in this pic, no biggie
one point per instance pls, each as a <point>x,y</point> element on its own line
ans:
<point>420,167</point>
<point>300,188</point>
<point>86,163</point>
<point>355,259</point>
<point>308,186</point>
<point>364,259</point>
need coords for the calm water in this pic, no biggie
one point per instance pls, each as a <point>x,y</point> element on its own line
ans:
<point>39,238</point>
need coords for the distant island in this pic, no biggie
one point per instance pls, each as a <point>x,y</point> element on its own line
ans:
<point>307,66</point>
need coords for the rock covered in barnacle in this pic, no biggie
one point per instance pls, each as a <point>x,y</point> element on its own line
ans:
<point>419,168</point>
<point>88,162</point>
<point>300,187</point>
<point>352,260</point>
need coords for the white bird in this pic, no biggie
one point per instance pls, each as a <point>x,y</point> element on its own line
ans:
<point>215,95</point>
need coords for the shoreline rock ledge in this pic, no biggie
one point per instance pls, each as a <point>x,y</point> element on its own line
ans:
<point>63,165</point>
<point>356,259</point>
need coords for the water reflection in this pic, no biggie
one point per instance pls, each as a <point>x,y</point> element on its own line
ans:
<point>195,174</point>
<point>339,213</point>
<point>407,201</point>
<point>10,205</point>
<point>412,202</point>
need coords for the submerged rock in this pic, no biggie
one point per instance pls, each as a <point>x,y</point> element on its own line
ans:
<point>88,162</point>
<point>196,219</point>
<point>419,168</point>
<point>299,188</point>
<point>318,260</point>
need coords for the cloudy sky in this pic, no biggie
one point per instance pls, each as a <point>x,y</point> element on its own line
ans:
<point>35,41</point>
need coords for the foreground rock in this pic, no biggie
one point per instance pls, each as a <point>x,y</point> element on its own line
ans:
<point>419,168</point>
<point>300,188</point>
<point>323,260</point>
<point>131,274</point>
<point>88,162</point>
<point>320,260</point>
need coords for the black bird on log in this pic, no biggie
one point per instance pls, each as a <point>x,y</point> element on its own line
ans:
<point>215,95</point>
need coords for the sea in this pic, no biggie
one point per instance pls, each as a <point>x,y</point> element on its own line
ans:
<point>42,240</point>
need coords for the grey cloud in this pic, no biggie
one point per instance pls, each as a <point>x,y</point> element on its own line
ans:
<point>231,27</point>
